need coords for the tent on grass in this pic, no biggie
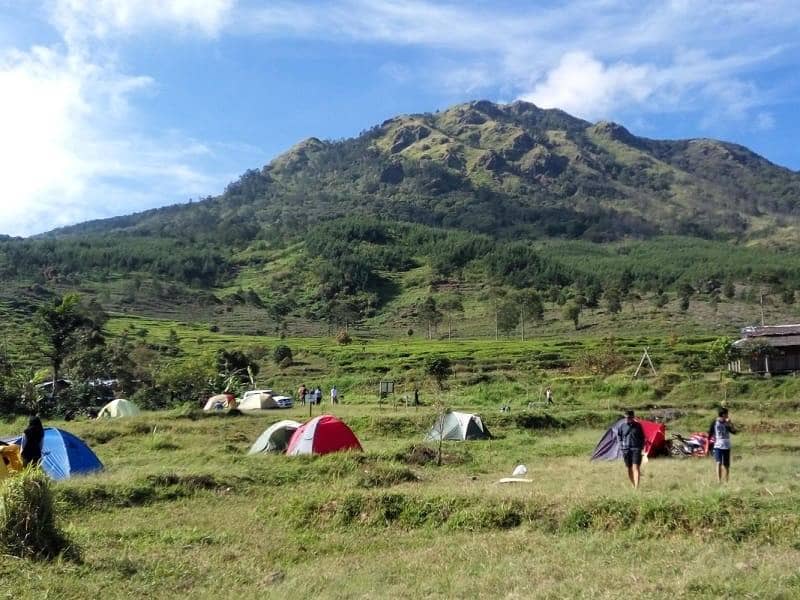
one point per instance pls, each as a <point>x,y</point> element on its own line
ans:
<point>10,460</point>
<point>118,408</point>
<point>321,435</point>
<point>220,402</point>
<point>458,426</point>
<point>276,437</point>
<point>655,441</point>
<point>64,454</point>
<point>258,400</point>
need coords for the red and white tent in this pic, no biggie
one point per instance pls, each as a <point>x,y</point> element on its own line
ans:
<point>321,435</point>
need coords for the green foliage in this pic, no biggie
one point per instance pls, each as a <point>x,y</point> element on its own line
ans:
<point>282,354</point>
<point>572,312</point>
<point>439,368</point>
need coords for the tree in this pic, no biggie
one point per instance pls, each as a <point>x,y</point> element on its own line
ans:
<point>282,355</point>
<point>429,315</point>
<point>613,300</point>
<point>572,312</point>
<point>507,316</point>
<point>451,305</point>
<point>58,328</point>
<point>496,295</point>
<point>788,296</point>
<point>685,292</point>
<point>728,289</point>
<point>439,368</point>
<point>530,306</point>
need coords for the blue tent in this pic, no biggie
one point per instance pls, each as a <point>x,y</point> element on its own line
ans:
<point>64,454</point>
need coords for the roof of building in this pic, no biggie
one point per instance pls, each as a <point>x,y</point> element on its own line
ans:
<point>778,341</point>
<point>770,330</point>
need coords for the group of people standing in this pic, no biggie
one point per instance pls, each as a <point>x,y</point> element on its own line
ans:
<point>631,438</point>
<point>308,396</point>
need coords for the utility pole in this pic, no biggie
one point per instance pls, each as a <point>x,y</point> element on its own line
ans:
<point>762,308</point>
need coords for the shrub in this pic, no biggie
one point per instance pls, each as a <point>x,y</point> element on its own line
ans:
<point>28,526</point>
<point>282,354</point>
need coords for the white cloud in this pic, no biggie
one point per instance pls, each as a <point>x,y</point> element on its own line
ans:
<point>583,86</point>
<point>69,151</point>
<point>79,19</point>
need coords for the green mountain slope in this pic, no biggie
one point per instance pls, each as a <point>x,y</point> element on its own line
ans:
<point>474,199</point>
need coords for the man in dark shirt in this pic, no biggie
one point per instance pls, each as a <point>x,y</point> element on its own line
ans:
<point>631,439</point>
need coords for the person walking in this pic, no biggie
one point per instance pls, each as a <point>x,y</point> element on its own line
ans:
<point>723,428</point>
<point>548,395</point>
<point>334,395</point>
<point>631,438</point>
<point>32,440</point>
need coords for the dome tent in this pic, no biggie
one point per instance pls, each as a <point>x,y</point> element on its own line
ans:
<point>655,440</point>
<point>321,435</point>
<point>64,454</point>
<point>118,408</point>
<point>220,402</point>
<point>275,438</point>
<point>458,426</point>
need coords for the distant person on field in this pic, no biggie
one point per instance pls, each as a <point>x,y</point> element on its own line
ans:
<point>334,395</point>
<point>301,393</point>
<point>318,396</point>
<point>32,440</point>
<point>416,396</point>
<point>631,439</point>
<point>723,428</point>
<point>548,395</point>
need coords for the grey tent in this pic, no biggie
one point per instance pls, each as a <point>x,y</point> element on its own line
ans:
<point>458,426</point>
<point>275,438</point>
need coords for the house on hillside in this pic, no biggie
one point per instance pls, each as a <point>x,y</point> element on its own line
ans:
<point>769,349</point>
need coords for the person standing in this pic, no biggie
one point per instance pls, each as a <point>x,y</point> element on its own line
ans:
<point>301,393</point>
<point>318,396</point>
<point>32,440</point>
<point>723,428</point>
<point>631,438</point>
<point>334,395</point>
<point>548,395</point>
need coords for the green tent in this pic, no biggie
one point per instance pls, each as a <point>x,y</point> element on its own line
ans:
<point>458,426</point>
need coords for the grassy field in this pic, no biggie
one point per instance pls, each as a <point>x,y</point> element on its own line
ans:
<point>181,509</point>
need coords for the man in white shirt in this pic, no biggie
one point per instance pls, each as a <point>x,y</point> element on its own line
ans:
<point>723,428</point>
<point>334,395</point>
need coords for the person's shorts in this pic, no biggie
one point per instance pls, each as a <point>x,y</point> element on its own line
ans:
<point>723,456</point>
<point>632,456</point>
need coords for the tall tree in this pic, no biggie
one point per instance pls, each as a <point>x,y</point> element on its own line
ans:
<point>572,312</point>
<point>530,306</point>
<point>451,305</point>
<point>430,315</point>
<point>59,325</point>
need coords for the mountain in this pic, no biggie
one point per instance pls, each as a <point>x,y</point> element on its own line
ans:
<point>481,192</point>
<point>502,170</point>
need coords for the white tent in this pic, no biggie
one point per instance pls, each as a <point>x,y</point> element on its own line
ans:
<point>220,402</point>
<point>458,426</point>
<point>257,400</point>
<point>275,438</point>
<point>118,408</point>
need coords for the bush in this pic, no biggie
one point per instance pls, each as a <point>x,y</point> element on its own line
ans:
<point>28,526</point>
<point>282,354</point>
<point>343,338</point>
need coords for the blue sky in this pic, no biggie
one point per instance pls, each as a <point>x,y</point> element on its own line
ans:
<point>109,107</point>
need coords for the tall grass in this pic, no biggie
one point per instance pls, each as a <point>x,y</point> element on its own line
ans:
<point>28,527</point>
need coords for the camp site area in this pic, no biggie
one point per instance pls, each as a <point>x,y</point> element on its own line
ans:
<point>197,504</point>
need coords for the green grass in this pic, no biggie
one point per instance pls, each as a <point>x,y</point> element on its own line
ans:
<point>182,509</point>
